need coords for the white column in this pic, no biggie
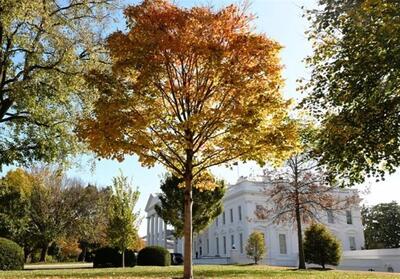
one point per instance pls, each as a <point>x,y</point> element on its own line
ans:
<point>161,238</point>
<point>148,230</point>
<point>152,230</point>
<point>156,230</point>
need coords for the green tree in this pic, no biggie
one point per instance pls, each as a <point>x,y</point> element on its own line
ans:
<point>190,89</point>
<point>355,86</point>
<point>122,224</point>
<point>320,246</point>
<point>207,204</point>
<point>45,48</point>
<point>382,225</point>
<point>255,247</point>
<point>15,222</point>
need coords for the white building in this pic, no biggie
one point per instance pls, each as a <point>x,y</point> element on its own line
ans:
<point>232,228</point>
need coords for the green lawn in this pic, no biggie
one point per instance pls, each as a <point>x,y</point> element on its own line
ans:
<point>222,271</point>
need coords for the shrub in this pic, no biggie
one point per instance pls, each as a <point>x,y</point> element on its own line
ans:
<point>11,255</point>
<point>255,247</point>
<point>154,255</point>
<point>110,257</point>
<point>320,246</point>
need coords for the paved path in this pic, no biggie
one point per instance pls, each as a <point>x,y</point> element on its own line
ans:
<point>58,266</point>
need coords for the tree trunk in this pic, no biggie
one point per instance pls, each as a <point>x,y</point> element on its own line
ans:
<point>188,226</point>
<point>123,258</point>
<point>302,264</point>
<point>187,269</point>
<point>43,252</point>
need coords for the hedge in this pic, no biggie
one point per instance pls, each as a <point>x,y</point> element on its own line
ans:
<point>111,257</point>
<point>154,255</point>
<point>11,255</point>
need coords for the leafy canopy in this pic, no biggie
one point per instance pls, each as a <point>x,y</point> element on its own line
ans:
<point>355,86</point>
<point>45,47</point>
<point>207,204</point>
<point>382,225</point>
<point>189,85</point>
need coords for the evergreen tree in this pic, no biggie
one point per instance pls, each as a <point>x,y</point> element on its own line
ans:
<point>207,204</point>
<point>255,248</point>
<point>320,246</point>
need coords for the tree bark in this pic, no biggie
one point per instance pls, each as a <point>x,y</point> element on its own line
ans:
<point>123,258</point>
<point>188,226</point>
<point>302,264</point>
<point>43,252</point>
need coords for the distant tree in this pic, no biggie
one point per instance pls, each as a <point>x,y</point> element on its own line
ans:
<point>207,204</point>
<point>354,87</point>
<point>255,248</point>
<point>15,222</point>
<point>300,193</point>
<point>320,246</point>
<point>43,205</point>
<point>45,49</point>
<point>382,225</point>
<point>190,89</point>
<point>122,224</point>
<point>92,211</point>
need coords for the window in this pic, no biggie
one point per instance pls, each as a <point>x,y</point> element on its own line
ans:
<point>223,218</point>
<point>224,242</point>
<point>216,221</point>
<point>240,213</point>
<point>232,241</point>
<point>349,217</point>
<point>330,216</point>
<point>208,246</point>
<point>282,244</point>
<point>231,211</point>
<point>241,242</point>
<point>352,242</point>
<point>217,245</point>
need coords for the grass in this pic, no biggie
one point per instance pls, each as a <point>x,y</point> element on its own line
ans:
<point>214,271</point>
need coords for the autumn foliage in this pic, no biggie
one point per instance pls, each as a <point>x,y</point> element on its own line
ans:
<point>193,79</point>
<point>190,89</point>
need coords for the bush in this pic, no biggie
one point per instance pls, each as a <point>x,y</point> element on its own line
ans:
<point>11,255</point>
<point>154,255</point>
<point>110,257</point>
<point>320,246</point>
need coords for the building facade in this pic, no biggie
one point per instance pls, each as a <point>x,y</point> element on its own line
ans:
<point>227,236</point>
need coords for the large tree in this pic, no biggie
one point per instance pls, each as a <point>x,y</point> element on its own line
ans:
<point>355,86</point>
<point>190,89</point>
<point>207,204</point>
<point>45,47</point>
<point>381,225</point>
<point>299,192</point>
<point>123,221</point>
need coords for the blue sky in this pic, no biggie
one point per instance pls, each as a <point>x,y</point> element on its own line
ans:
<point>281,20</point>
